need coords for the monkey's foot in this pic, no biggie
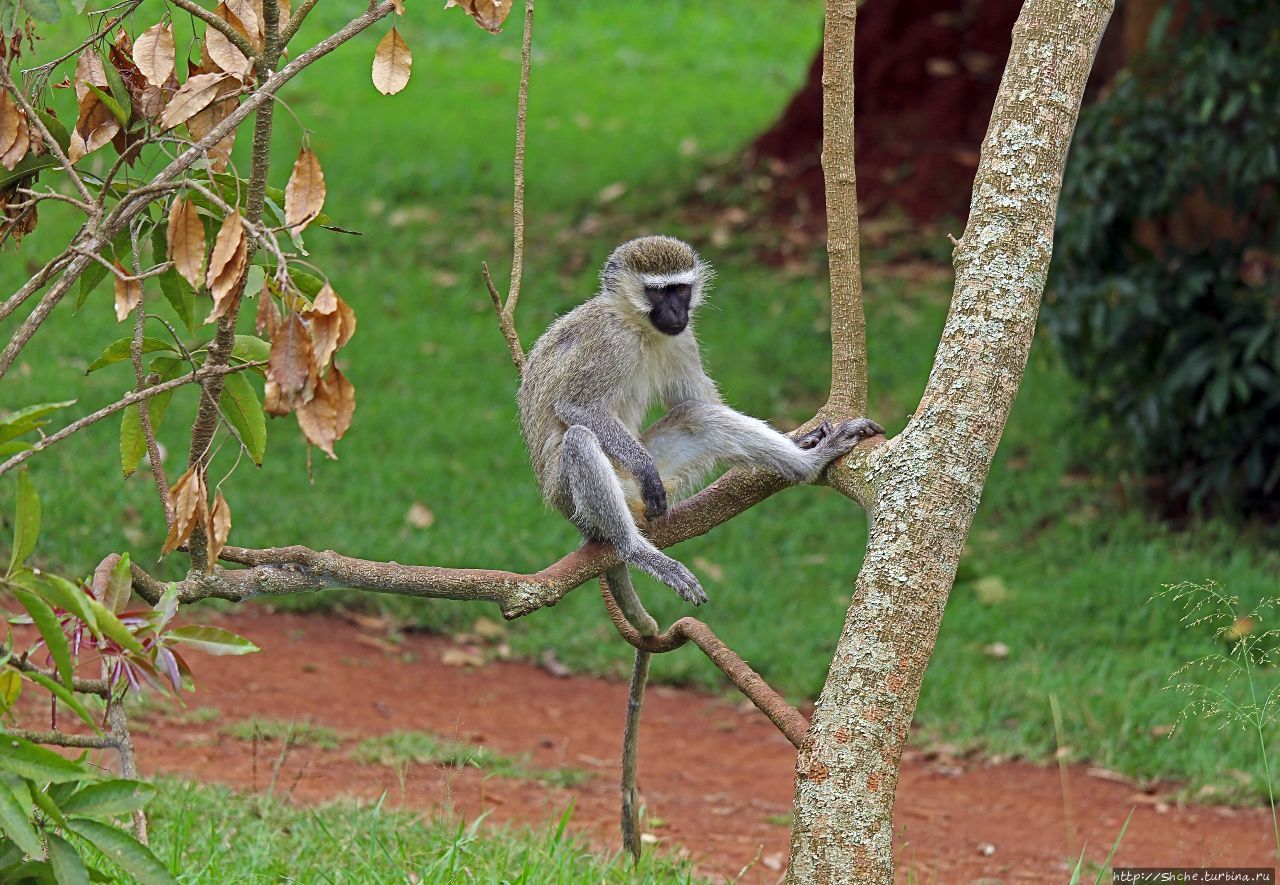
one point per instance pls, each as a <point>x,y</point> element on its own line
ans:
<point>669,572</point>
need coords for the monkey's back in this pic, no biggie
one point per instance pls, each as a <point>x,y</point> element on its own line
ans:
<point>579,360</point>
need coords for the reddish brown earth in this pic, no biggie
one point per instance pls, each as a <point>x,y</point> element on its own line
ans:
<point>717,775</point>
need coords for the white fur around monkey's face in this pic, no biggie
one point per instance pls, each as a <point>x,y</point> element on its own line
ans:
<point>661,278</point>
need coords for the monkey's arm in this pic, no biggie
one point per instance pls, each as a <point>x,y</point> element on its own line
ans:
<point>621,446</point>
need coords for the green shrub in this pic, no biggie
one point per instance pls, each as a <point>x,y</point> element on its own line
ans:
<point>1166,283</point>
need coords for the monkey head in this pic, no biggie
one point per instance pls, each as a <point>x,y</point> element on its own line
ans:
<point>661,279</point>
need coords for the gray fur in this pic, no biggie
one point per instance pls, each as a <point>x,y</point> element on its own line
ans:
<point>593,375</point>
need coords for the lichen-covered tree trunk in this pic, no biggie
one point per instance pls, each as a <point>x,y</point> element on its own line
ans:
<point>922,487</point>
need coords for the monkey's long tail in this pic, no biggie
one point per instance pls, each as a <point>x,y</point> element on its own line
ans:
<point>618,582</point>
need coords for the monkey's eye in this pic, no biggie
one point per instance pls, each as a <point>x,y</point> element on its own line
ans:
<point>679,290</point>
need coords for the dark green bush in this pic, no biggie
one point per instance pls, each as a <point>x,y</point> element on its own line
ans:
<point>1165,288</point>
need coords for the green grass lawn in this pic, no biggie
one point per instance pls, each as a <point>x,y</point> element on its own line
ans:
<point>1059,568</point>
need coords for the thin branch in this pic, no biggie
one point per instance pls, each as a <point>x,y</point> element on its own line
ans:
<point>504,320</point>
<point>295,21</point>
<point>45,69</point>
<point>221,25</point>
<point>848,322</point>
<point>786,717</point>
<point>63,739</point>
<point>140,383</point>
<point>34,284</point>
<point>129,399</point>
<point>97,687</point>
<point>517,209</point>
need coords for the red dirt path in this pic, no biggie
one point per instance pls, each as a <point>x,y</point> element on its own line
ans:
<point>714,773</point>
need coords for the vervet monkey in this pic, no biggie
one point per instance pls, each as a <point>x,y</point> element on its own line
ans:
<point>593,375</point>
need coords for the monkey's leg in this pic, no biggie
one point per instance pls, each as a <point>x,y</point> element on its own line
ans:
<point>694,436</point>
<point>600,512</point>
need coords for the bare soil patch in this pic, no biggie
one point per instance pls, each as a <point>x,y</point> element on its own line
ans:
<point>716,774</point>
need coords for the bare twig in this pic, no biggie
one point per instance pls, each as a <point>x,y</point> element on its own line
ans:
<point>507,311</point>
<point>504,320</point>
<point>118,731</point>
<point>45,69</point>
<point>786,717</point>
<point>295,21</point>
<point>129,399</point>
<point>221,25</point>
<point>848,323</point>
<point>34,284</point>
<point>97,687</point>
<point>140,383</point>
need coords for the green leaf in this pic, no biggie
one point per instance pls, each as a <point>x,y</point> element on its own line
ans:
<point>48,805</point>
<point>116,796</point>
<point>213,640</point>
<point>28,419</point>
<point>26,526</point>
<point>119,585</point>
<point>25,759</point>
<point>10,687</point>
<point>45,11</point>
<point>130,854</point>
<point>117,111</point>
<point>53,124</point>
<point>133,442</point>
<point>71,702</point>
<point>61,593</point>
<point>15,821</point>
<point>119,351</point>
<point>241,406</point>
<point>28,165</point>
<point>92,277</point>
<point>181,297</point>
<point>250,348</point>
<point>13,447</point>
<point>54,639</point>
<point>111,628</point>
<point>118,90</point>
<point>68,867</point>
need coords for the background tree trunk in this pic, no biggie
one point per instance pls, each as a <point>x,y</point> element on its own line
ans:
<point>927,73</point>
<point>925,484</point>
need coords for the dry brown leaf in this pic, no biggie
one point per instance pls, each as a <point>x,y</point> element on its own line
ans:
<point>185,241</point>
<point>226,265</point>
<point>187,506</point>
<point>202,123</point>
<point>488,14</point>
<point>273,402</point>
<point>348,327</point>
<point>304,194</point>
<point>223,54</point>
<point>95,126</point>
<point>15,135</point>
<point>286,10</point>
<point>268,317</point>
<point>89,71</point>
<point>391,63</point>
<point>328,415</point>
<point>10,118</point>
<point>325,323</point>
<point>399,6</point>
<point>225,246</point>
<point>292,364</point>
<point>219,528</point>
<point>195,95</point>
<point>153,53</point>
<point>128,293</point>
<point>246,17</point>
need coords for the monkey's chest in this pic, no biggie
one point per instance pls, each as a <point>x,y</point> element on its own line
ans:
<point>644,386</point>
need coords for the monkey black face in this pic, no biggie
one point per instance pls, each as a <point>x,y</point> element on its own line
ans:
<point>670,313</point>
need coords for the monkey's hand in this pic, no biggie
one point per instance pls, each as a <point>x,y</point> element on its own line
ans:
<point>653,493</point>
<point>844,437</point>
<point>811,439</point>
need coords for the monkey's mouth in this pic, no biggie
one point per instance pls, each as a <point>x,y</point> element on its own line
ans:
<point>669,322</point>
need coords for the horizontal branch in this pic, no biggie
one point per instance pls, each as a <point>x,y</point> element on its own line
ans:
<point>219,24</point>
<point>129,399</point>
<point>277,571</point>
<point>98,687</point>
<point>786,717</point>
<point>63,739</point>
